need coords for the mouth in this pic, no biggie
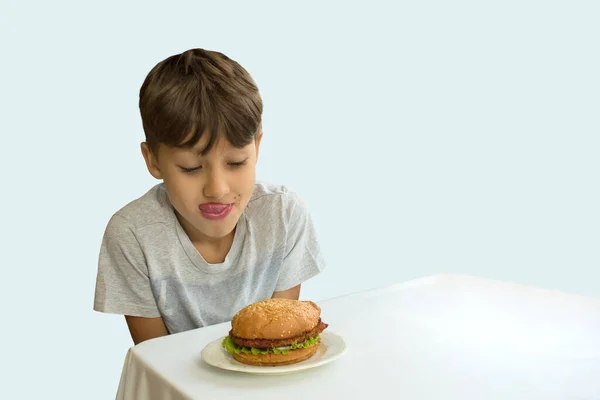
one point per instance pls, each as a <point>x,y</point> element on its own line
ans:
<point>215,211</point>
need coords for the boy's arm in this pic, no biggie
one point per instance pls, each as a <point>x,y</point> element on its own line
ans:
<point>123,283</point>
<point>293,293</point>
<point>142,329</point>
<point>302,258</point>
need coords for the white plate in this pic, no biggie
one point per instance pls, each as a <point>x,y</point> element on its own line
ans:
<point>332,347</point>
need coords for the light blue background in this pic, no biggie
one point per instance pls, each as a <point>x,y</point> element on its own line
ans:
<point>425,136</point>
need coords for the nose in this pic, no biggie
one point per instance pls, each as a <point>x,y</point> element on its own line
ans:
<point>216,186</point>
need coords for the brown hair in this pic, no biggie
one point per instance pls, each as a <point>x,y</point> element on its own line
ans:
<point>197,92</point>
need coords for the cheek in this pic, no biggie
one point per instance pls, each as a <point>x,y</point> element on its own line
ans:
<point>250,180</point>
<point>245,185</point>
<point>180,190</point>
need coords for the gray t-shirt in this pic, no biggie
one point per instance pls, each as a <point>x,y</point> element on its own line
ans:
<point>148,266</point>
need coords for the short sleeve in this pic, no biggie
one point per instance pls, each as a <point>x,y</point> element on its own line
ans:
<point>122,283</point>
<point>303,258</point>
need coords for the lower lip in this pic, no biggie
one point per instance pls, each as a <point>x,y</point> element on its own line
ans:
<point>220,215</point>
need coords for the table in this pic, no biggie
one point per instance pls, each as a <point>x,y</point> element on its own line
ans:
<point>441,337</point>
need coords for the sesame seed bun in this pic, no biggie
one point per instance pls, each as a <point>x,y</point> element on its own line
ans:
<point>276,319</point>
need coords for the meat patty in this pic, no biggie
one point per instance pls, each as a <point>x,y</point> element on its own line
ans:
<point>269,343</point>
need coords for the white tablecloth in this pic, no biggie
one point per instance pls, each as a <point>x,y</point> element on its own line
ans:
<point>441,337</point>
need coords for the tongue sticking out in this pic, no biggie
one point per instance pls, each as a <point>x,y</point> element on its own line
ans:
<point>213,208</point>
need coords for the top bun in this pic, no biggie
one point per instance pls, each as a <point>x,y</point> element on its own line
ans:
<point>275,319</point>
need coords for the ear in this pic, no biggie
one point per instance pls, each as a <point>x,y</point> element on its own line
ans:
<point>151,161</point>
<point>257,143</point>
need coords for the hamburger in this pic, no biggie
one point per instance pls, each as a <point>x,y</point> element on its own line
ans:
<point>275,332</point>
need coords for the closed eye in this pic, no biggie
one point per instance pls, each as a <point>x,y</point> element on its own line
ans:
<point>191,170</point>
<point>238,164</point>
<point>198,168</point>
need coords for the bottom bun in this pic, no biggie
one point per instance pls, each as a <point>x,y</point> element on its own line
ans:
<point>292,357</point>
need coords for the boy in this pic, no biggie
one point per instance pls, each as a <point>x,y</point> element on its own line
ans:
<point>209,239</point>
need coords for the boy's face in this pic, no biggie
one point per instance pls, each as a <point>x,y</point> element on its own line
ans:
<point>209,192</point>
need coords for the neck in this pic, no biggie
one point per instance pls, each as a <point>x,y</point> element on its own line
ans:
<point>213,250</point>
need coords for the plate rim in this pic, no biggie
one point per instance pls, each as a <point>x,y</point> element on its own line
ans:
<point>272,370</point>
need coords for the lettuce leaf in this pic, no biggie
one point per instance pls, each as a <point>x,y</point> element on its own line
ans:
<point>231,347</point>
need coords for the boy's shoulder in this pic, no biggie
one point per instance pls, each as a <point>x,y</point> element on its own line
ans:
<point>276,200</point>
<point>268,191</point>
<point>274,196</point>
<point>151,208</point>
